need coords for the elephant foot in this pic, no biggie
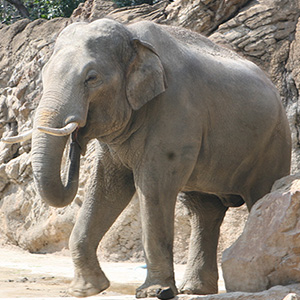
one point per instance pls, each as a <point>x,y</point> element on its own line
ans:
<point>193,288</point>
<point>88,285</point>
<point>161,292</point>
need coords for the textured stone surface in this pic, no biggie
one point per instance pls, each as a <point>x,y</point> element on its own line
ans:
<point>202,15</point>
<point>268,251</point>
<point>91,10</point>
<point>94,9</point>
<point>291,292</point>
<point>24,220</point>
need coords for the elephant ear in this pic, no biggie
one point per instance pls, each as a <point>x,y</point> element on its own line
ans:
<point>145,76</point>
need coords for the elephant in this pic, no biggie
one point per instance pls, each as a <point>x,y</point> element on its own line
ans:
<point>174,116</point>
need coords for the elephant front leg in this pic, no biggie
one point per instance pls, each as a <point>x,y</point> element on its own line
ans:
<point>89,279</point>
<point>106,200</point>
<point>157,214</point>
<point>95,218</point>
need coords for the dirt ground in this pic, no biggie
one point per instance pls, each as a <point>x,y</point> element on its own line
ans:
<point>17,284</point>
<point>21,275</point>
<point>40,276</point>
<point>26,275</point>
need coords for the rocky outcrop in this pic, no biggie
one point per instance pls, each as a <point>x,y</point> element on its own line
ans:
<point>24,48</point>
<point>268,251</point>
<point>202,15</point>
<point>91,10</point>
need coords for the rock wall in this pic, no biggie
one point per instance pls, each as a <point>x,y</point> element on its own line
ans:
<point>264,31</point>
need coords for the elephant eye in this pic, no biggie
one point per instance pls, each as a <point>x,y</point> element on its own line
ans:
<point>92,78</point>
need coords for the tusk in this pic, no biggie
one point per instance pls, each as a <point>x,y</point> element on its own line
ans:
<point>18,138</point>
<point>67,130</point>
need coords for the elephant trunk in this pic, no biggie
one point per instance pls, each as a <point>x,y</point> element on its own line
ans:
<point>47,154</point>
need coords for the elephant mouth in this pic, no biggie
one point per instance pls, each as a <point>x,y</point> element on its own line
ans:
<point>74,138</point>
<point>71,129</point>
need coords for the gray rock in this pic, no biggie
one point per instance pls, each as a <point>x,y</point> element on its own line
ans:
<point>267,253</point>
<point>275,293</point>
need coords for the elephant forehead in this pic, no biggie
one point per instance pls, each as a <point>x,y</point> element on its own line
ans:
<point>69,60</point>
<point>105,32</point>
<point>107,27</point>
<point>100,28</point>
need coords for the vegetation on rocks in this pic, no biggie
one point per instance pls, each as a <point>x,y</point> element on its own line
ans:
<point>12,10</point>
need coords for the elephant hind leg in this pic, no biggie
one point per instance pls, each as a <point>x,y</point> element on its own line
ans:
<point>206,215</point>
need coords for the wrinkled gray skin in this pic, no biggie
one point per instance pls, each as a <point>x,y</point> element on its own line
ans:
<point>173,114</point>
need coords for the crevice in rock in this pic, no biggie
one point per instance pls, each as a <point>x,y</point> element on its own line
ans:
<point>233,15</point>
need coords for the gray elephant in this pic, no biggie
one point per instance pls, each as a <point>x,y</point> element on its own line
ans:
<point>173,114</point>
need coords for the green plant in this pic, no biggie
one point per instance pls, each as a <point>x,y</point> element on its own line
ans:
<point>47,9</point>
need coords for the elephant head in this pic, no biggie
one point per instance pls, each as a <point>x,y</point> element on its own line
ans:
<point>97,76</point>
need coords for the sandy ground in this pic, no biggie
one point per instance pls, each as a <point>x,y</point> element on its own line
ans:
<point>43,276</point>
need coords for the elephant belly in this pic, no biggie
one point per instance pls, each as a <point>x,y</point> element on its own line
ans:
<point>235,178</point>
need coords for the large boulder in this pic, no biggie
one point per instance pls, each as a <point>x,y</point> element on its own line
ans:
<point>268,251</point>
